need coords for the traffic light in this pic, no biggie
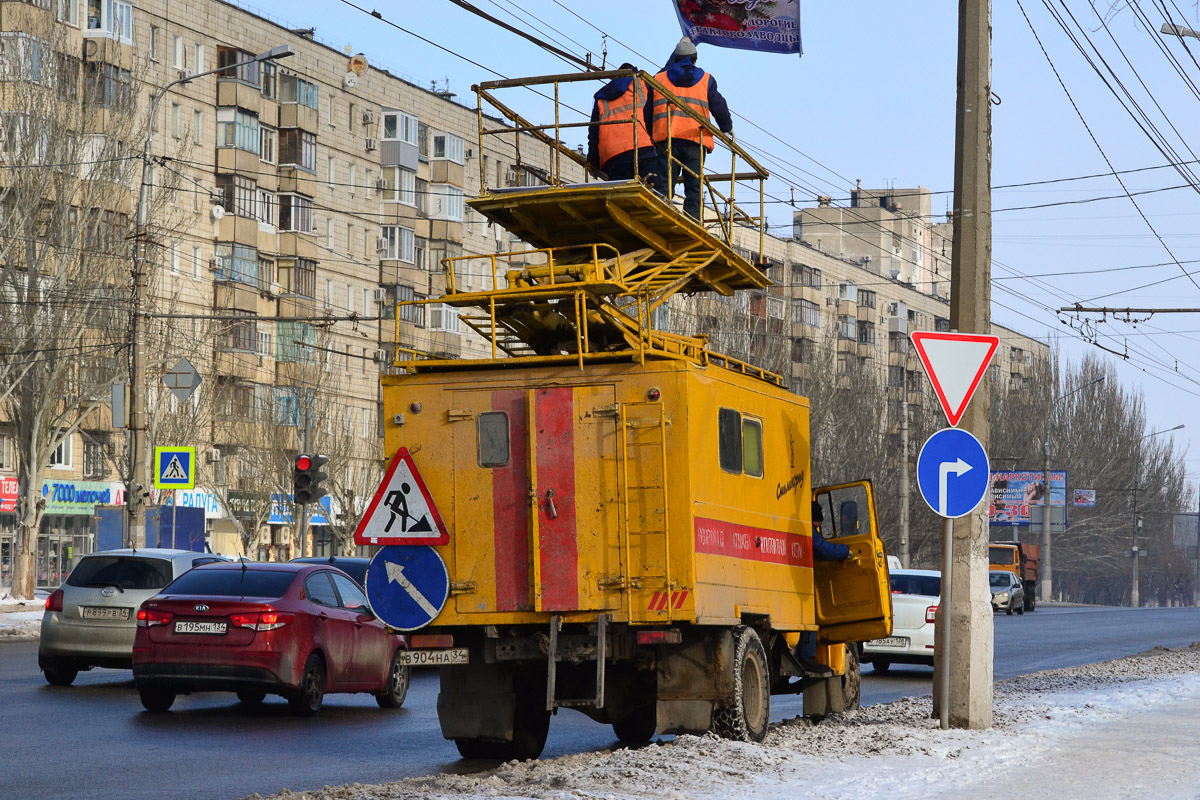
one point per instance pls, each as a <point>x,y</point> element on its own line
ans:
<point>307,478</point>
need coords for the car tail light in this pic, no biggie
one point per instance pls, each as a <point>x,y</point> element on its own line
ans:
<point>266,620</point>
<point>55,601</point>
<point>931,614</point>
<point>149,617</point>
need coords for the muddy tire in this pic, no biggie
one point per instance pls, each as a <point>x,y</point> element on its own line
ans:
<point>60,674</point>
<point>745,718</point>
<point>638,726</point>
<point>310,694</point>
<point>851,682</point>
<point>399,678</point>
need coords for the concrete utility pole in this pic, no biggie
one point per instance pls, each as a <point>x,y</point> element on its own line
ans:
<point>970,656</point>
<point>904,494</point>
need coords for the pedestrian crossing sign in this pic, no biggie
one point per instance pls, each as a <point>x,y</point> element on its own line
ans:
<point>174,468</point>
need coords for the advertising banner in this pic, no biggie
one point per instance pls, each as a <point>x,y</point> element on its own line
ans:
<point>768,26</point>
<point>1014,493</point>
<point>1083,498</point>
<point>79,497</point>
<point>8,493</point>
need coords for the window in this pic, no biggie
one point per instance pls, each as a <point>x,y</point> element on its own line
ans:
<point>848,291</point>
<point>802,350</point>
<point>866,298</point>
<point>240,195</point>
<point>941,324</point>
<point>350,120</point>
<point>288,403</point>
<point>298,148</point>
<point>492,429</point>
<point>352,178</point>
<point>422,196</point>
<point>399,126</point>
<point>199,64</point>
<point>329,238</point>
<point>108,86</point>
<point>752,447</point>
<point>423,142</point>
<point>236,262</point>
<point>294,89</point>
<point>68,76</point>
<point>895,375</point>
<point>401,185</point>
<point>237,128</point>
<point>295,213</point>
<point>155,35</point>
<point>197,126</point>
<point>847,327</point>
<point>265,207</point>
<point>443,318</point>
<point>197,262</point>
<point>811,277</point>
<point>8,458</point>
<point>294,342</point>
<point>866,332</point>
<point>398,243</point>
<point>448,146</point>
<point>446,202</point>
<point>174,258</point>
<point>270,79</point>
<point>775,307</point>
<point>267,140</point>
<point>63,455</point>
<point>175,115</point>
<point>331,171</point>
<point>113,18</point>
<point>298,276</point>
<point>414,314</point>
<point>68,11</point>
<point>729,440</point>
<point>806,312</point>
<point>177,53</point>
<point>897,343</point>
<point>242,331</point>
<point>320,591</point>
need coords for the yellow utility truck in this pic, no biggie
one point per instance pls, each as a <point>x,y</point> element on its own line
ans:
<point>628,514</point>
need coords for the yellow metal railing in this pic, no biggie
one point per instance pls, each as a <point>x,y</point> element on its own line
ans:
<point>587,266</point>
<point>718,190</point>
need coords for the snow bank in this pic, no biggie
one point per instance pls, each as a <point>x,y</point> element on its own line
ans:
<point>895,750</point>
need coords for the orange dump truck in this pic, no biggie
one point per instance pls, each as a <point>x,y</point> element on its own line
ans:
<point>628,514</point>
<point>1019,558</point>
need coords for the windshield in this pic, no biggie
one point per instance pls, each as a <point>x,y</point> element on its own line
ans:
<point>232,583</point>
<point>1001,555</point>
<point>124,571</point>
<point>999,579</point>
<point>928,585</point>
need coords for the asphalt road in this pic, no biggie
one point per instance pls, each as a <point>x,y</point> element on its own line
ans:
<point>94,740</point>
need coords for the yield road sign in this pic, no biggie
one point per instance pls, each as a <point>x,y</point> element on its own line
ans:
<point>953,473</point>
<point>174,468</point>
<point>407,586</point>
<point>402,510</point>
<point>955,364</point>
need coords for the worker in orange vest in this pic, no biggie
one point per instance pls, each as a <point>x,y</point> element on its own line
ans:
<point>618,131</point>
<point>698,89</point>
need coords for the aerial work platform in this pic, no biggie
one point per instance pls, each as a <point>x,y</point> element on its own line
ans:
<point>606,253</point>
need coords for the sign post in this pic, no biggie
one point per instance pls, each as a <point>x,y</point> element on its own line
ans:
<point>953,473</point>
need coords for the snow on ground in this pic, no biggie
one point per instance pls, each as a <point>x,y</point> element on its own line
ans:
<point>20,619</point>
<point>1104,730</point>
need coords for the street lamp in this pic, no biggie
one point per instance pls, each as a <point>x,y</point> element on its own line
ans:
<point>1172,29</point>
<point>1135,554</point>
<point>1047,582</point>
<point>139,464</point>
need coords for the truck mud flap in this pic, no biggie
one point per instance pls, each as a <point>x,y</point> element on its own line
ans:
<point>476,702</point>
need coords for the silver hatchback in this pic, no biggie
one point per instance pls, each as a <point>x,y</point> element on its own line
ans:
<point>90,620</point>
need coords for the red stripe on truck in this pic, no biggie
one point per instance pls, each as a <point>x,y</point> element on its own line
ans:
<point>510,508</point>
<point>717,538</point>
<point>554,417</point>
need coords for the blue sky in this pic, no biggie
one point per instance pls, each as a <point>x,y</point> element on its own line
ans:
<point>873,99</point>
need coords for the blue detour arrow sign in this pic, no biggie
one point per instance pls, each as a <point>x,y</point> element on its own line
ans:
<point>953,473</point>
<point>407,586</point>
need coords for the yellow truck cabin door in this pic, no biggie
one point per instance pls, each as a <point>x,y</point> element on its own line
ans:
<point>854,600</point>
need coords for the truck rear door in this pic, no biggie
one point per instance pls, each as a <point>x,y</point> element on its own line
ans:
<point>854,600</point>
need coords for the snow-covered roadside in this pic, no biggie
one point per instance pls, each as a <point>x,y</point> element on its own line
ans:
<point>20,619</point>
<point>1047,724</point>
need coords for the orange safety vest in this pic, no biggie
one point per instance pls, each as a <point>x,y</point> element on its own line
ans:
<point>681,126</point>
<point>622,114</point>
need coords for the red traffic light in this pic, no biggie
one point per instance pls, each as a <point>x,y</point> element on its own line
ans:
<point>303,463</point>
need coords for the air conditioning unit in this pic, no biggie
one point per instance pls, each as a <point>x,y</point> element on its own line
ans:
<point>469,152</point>
<point>214,264</point>
<point>382,356</point>
<point>379,295</point>
<point>276,289</point>
<point>510,177</point>
<point>212,455</point>
<point>381,244</point>
<point>186,74</point>
<point>380,184</point>
<point>372,143</point>
<point>368,117</point>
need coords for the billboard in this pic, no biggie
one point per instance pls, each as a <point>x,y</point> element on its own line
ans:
<point>1083,498</point>
<point>1013,493</point>
<point>768,26</point>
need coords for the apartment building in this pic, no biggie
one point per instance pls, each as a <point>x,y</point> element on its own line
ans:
<point>293,203</point>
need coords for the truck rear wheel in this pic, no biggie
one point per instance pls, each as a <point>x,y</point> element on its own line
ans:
<point>531,725</point>
<point>746,717</point>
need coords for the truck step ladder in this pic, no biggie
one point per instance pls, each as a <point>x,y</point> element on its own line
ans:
<point>553,702</point>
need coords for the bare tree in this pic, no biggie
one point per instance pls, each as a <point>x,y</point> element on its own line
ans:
<point>65,202</point>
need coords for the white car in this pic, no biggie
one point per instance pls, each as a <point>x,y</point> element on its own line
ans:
<point>915,596</point>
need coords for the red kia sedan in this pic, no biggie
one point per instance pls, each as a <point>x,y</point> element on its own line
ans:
<point>296,630</point>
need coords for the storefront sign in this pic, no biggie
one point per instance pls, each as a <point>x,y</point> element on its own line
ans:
<point>78,497</point>
<point>8,494</point>
<point>196,498</point>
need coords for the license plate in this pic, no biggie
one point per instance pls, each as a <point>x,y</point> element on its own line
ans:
<point>890,641</point>
<point>104,612</point>
<point>185,626</point>
<point>421,658</point>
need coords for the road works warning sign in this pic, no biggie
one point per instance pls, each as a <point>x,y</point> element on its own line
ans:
<point>402,511</point>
